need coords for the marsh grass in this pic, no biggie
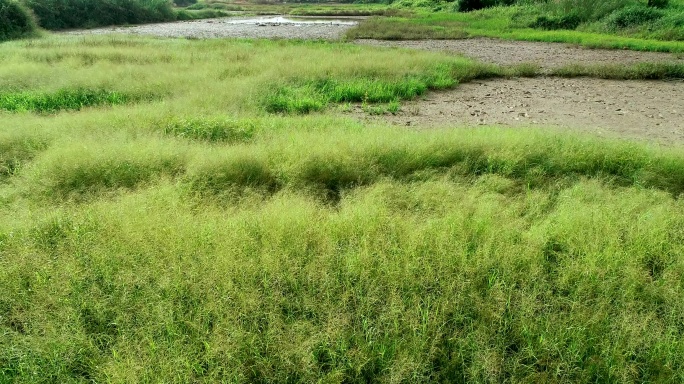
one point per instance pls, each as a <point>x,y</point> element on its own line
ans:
<point>200,239</point>
<point>216,129</point>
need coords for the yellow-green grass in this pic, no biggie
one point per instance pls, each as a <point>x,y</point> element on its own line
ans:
<point>198,238</point>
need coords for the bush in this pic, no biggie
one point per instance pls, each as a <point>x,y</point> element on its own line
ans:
<point>65,14</point>
<point>15,21</point>
<point>472,5</point>
<point>658,3</point>
<point>184,3</point>
<point>586,10</point>
<point>633,16</point>
<point>570,21</point>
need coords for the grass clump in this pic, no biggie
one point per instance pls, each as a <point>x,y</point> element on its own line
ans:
<point>64,99</point>
<point>571,21</point>
<point>314,95</point>
<point>210,129</point>
<point>18,149</point>
<point>15,21</point>
<point>294,99</point>
<point>82,171</point>
<point>228,175</point>
<point>641,71</point>
<point>633,16</point>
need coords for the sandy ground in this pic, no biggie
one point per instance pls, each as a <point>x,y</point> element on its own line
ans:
<point>651,110</point>
<point>546,55</point>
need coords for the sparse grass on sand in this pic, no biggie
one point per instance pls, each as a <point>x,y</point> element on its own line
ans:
<point>197,237</point>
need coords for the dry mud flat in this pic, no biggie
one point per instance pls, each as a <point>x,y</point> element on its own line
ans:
<point>651,110</point>
<point>546,55</point>
<point>254,27</point>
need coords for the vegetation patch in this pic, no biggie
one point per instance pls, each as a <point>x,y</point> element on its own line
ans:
<point>16,150</point>
<point>201,240</point>
<point>633,16</point>
<point>228,175</point>
<point>66,99</point>
<point>316,94</point>
<point>15,21</point>
<point>641,71</point>
<point>83,171</point>
<point>571,21</point>
<point>210,129</point>
<point>612,24</point>
<point>65,14</point>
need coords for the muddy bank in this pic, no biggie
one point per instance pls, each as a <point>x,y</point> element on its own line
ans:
<point>546,55</point>
<point>251,27</point>
<point>650,110</point>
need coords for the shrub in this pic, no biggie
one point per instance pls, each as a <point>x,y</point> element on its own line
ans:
<point>64,14</point>
<point>15,21</point>
<point>184,3</point>
<point>570,21</point>
<point>586,10</point>
<point>632,16</point>
<point>658,3</point>
<point>472,5</point>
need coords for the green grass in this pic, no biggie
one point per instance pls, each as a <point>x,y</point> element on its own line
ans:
<point>65,99</point>
<point>199,238</point>
<point>514,23</point>
<point>644,71</point>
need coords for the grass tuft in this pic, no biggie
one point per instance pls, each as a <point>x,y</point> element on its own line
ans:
<point>66,99</point>
<point>216,129</point>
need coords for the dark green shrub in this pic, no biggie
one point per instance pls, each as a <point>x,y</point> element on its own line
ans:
<point>586,10</point>
<point>472,5</point>
<point>658,3</point>
<point>184,3</point>
<point>632,16</point>
<point>15,21</point>
<point>570,21</point>
<point>65,14</point>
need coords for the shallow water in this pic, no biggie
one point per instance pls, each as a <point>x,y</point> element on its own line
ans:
<point>291,20</point>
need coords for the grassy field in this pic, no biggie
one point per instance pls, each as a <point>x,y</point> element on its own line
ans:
<point>515,23</point>
<point>162,221</point>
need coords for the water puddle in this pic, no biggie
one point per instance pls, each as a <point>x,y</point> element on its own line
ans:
<point>274,21</point>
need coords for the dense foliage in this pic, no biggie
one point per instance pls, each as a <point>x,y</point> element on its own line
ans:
<point>15,21</point>
<point>64,14</point>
